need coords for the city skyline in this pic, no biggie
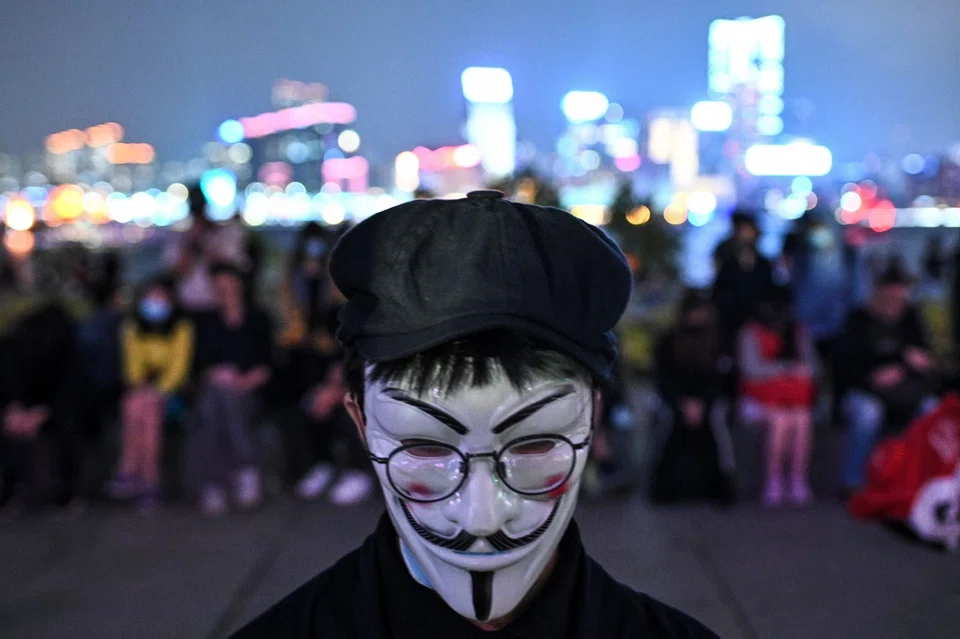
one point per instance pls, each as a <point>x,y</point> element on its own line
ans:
<point>886,81</point>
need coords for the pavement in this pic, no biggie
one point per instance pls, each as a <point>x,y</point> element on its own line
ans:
<point>745,572</point>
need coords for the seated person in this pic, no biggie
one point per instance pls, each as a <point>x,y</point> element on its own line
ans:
<point>697,460</point>
<point>777,362</point>
<point>37,382</point>
<point>889,368</point>
<point>233,364</point>
<point>477,332</point>
<point>157,352</point>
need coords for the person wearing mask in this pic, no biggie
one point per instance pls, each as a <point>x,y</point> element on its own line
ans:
<point>38,375</point>
<point>234,357</point>
<point>777,364</point>
<point>307,288</point>
<point>890,368</point>
<point>157,353</point>
<point>743,278</point>
<point>821,278</point>
<point>191,254</point>
<point>475,349</point>
<point>697,458</point>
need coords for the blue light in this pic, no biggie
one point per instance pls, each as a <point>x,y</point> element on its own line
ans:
<point>802,186</point>
<point>220,187</point>
<point>913,164</point>
<point>333,154</point>
<point>231,132</point>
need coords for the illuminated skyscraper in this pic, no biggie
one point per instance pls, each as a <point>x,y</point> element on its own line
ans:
<point>490,122</point>
<point>746,71</point>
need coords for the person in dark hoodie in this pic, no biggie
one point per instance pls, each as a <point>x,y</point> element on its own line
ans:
<point>478,331</point>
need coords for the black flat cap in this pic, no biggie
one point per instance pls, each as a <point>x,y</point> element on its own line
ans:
<point>428,272</point>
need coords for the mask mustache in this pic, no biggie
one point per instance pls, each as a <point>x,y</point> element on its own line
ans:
<point>463,540</point>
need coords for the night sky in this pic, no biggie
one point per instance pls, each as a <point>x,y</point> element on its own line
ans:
<point>884,75</point>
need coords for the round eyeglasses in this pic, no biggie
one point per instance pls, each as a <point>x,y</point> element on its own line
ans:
<point>429,471</point>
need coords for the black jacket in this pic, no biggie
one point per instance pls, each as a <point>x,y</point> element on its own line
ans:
<point>370,595</point>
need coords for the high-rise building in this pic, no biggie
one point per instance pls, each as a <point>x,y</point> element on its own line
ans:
<point>306,140</point>
<point>490,124</point>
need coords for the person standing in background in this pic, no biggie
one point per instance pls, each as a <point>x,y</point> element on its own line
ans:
<point>821,278</point>
<point>191,254</point>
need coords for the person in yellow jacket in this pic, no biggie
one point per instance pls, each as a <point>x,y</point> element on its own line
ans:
<point>157,345</point>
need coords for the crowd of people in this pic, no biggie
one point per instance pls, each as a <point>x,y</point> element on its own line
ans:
<point>167,389</point>
<point>180,376</point>
<point>781,345</point>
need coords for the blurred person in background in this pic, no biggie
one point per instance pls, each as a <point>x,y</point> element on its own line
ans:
<point>777,364</point>
<point>157,352</point>
<point>744,277</point>
<point>37,392</point>
<point>324,452</point>
<point>99,361</point>
<point>697,458</point>
<point>821,269</point>
<point>890,368</point>
<point>934,269</point>
<point>308,293</point>
<point>234,358</point>
<point>327,436</point>
<point>191,254</point>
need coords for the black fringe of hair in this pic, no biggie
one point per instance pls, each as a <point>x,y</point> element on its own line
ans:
<point>469,362</point>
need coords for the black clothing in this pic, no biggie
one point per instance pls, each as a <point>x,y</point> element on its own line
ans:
<point>739,290</point>
<point>370,595</point>
<point>870,342</point>
<point>697,378</point>
<point>427,272</point>
<point>246,346</point>
<point>689,463</point>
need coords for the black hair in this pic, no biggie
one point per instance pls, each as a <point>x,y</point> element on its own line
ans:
<point>468,362</point>
<point>221,267</point>
<point>776,311</point>
<point>744,217</point>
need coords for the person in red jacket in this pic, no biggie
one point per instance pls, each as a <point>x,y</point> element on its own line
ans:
<point>777,361</point>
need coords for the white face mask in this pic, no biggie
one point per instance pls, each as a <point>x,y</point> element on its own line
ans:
<point>482,547</point>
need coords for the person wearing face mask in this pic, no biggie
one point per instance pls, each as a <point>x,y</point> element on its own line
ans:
<point>821,269</point>
<point>478,331</point>
<point>157,353</point>
<point>777,362</point>
<point>696,461</point>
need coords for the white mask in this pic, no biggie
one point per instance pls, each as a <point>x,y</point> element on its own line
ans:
<point>483,547</point>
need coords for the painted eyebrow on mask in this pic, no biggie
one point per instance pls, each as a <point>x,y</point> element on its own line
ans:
<point>452,423</point>
<point>432,411</point>
<point>527,411</point>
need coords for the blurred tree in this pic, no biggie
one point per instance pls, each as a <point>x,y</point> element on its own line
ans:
<point>649,242</point>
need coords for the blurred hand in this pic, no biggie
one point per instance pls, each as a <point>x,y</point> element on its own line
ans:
<point>252,380</point>
<point>918,360</point>
<point>24,422</point>
<point>225,376</point>
<point>888,376</point>
<point>693,411</point>
<point>328,396</point>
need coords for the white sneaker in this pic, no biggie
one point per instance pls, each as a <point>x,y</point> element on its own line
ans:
<point>213,501</point>
<point>249,489</point>
<point>315,481</point>
<point>353,487</point>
